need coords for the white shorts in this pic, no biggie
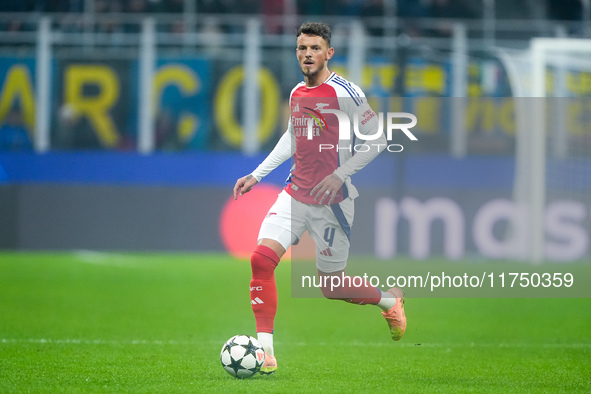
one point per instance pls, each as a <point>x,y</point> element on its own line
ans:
<point>329,227</point>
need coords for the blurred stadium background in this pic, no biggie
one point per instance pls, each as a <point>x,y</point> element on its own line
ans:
<point>124,124</point>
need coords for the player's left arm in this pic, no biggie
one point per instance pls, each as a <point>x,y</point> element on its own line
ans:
<point>368,125</point>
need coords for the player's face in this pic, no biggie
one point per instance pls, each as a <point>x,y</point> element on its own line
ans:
<point>313,54</point>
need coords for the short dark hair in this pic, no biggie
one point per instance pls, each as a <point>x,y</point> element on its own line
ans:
<point>319,29</point>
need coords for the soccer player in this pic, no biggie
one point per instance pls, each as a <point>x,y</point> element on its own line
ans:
<point>319,194</point>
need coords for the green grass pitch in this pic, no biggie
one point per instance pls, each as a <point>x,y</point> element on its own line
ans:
<point>95,322</point>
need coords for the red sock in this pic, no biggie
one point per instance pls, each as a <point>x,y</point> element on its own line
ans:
<point>353,289</point>
<point>263,290</point>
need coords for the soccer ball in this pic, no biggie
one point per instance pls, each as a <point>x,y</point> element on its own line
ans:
<point>242,356</point>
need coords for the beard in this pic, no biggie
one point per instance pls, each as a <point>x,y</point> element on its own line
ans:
<point>309,73</point>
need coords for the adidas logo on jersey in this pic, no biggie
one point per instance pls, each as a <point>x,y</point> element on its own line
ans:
<point>256,301</point>
<point>326,252</point>
<point>297,108</point>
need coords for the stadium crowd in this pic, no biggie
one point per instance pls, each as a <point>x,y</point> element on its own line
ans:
<point>554,9</point>
<point>409,10</point>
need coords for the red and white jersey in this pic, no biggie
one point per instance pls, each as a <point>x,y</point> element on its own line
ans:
<point>324,153</point>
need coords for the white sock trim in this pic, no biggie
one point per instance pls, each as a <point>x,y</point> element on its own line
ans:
<point>266,341</point>
<point>387,301</point>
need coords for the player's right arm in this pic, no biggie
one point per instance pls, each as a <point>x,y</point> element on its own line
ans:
<point>244,185</point>
<point>283,150</point>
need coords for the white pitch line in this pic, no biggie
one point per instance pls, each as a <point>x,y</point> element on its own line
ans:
<point>72,341</point>
<point>43,341</point>
<point>106,258</point>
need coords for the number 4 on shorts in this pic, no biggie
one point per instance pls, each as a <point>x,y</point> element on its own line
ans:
<point>329,235</point>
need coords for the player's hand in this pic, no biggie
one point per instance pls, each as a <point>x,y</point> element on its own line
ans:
<point>327,189</point>
<point>243,185</point>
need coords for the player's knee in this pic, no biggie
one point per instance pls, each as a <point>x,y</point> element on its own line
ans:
<point>262,266</point>
<point>332,292</point>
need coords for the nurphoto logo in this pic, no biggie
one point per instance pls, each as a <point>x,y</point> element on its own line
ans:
<point>392,123</point>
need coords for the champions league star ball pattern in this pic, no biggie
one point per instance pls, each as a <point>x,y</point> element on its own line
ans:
<point>242,356</point>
